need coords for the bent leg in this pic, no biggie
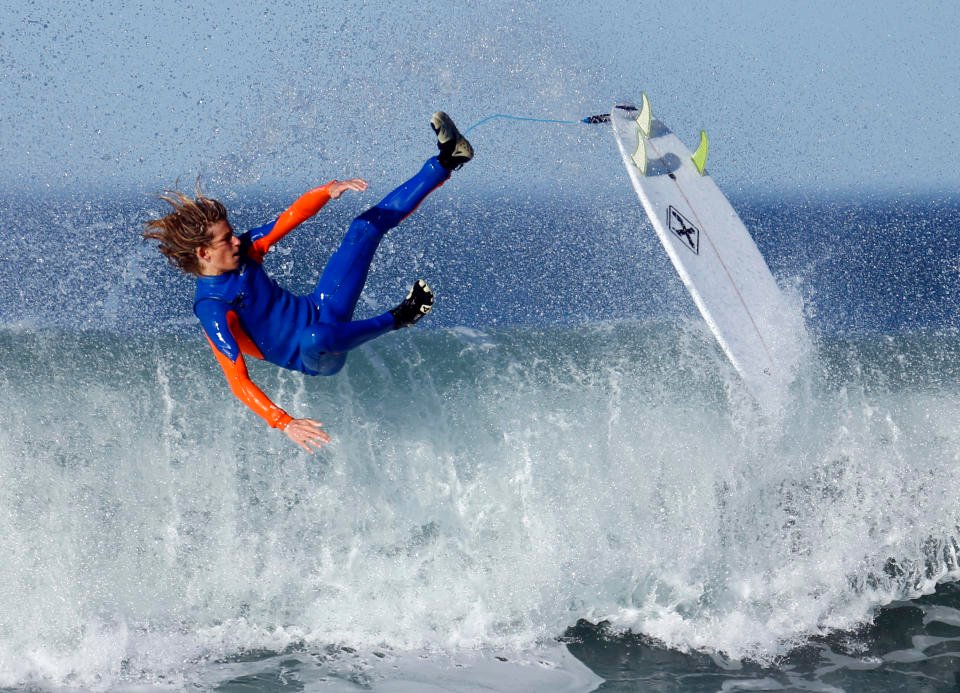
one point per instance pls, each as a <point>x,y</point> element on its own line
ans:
<point>324,346</point>
<point>339,287</point>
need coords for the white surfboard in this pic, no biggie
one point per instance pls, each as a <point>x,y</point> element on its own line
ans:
<point>713,253</point>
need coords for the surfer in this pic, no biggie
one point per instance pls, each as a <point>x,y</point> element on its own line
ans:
<point>244,311</point>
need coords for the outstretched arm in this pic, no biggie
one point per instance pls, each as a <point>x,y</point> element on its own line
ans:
<point>303,432</point>
<point>246,390</point>
<point>225,336</point>
<point>305,207</point>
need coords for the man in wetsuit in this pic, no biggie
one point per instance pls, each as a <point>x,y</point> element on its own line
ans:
<point>243,311</point>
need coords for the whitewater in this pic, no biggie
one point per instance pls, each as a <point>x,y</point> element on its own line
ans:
<point>560,446</point>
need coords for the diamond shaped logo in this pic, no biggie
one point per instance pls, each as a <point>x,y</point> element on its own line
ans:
<point>684,229</point>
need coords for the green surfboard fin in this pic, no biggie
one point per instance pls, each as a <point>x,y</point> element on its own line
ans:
<point>700,156</point>
<point>646,116</point>
<point>640,156</point>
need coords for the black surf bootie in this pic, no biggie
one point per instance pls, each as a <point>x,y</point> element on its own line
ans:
<point>419,302</point>
<point>455,149</point>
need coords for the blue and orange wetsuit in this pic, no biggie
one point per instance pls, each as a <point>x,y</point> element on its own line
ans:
<point>247,312</point>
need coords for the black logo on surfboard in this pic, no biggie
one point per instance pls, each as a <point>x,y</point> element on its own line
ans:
<point>683,228</point>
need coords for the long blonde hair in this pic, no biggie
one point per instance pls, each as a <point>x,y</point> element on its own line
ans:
<point>185,229</point>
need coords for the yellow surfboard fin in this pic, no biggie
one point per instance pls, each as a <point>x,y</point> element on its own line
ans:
<point>700,156</point>
<point>640,156</point>
<point>646,116</point>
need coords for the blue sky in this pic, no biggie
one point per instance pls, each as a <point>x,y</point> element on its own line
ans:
<point>815,97</point>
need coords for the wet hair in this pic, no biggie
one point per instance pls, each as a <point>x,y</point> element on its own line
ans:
<point>185,229</point>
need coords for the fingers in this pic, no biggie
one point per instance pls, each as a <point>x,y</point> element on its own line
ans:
<point>307,433</point>
<point>307,443</point>
<point>358,184</point>
<point>341,186</point>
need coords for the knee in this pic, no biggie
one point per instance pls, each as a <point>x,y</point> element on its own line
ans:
<point>380,218</point>
<point>361,229</point>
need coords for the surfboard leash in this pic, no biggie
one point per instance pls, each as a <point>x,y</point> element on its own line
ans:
<point>590,120</point>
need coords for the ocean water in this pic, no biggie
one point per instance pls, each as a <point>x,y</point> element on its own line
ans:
<point>555,482</point>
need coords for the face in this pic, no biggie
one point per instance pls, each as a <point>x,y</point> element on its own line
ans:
<point>222,253</point>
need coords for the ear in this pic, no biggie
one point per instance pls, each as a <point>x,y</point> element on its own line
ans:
<point>203,253</point>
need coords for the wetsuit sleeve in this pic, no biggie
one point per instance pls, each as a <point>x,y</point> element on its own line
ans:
<point>305,207</point>
<point>224,333</point>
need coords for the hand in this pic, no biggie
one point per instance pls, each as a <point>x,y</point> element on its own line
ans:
<point>338,187</point>
<point>307,432</point>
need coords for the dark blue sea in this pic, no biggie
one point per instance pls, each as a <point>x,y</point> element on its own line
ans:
<point>555,482</point>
